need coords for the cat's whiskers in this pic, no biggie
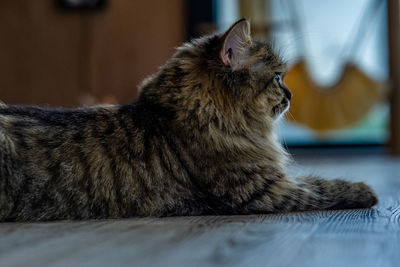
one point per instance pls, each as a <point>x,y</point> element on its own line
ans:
<point>288,113</point>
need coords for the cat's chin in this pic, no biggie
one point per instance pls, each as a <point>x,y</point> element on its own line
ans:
<point>280,109</point>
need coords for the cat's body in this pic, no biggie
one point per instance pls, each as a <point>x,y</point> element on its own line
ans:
<point>199,140</point>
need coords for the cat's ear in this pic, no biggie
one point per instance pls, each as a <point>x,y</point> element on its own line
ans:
<point>235,42</point>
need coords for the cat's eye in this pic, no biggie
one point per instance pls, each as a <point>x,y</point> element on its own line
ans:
<point>277,76</point>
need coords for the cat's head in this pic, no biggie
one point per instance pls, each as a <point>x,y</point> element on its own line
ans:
<point>226,77</point>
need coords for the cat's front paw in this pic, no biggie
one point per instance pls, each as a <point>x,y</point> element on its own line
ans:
<point>355,196</point>
<point>364,194</point>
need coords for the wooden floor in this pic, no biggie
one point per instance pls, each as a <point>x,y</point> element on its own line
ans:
<point>368,237</point>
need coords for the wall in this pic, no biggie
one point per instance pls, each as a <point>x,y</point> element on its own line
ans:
<point>58,58</point>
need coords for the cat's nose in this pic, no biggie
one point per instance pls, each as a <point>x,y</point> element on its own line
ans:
<point>288,94</point>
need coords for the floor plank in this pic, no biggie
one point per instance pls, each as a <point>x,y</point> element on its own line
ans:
<point>369,237</point>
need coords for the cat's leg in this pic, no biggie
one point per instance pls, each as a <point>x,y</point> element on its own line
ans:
<point>340,194</point>
<point>313,193</point>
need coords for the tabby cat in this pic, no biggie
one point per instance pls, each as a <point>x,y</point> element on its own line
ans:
<point>199,140</point>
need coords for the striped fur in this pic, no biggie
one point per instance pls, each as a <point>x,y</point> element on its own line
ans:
<point>199,140</point>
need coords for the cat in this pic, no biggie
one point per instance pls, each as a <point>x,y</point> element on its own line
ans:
<point>199,140</point>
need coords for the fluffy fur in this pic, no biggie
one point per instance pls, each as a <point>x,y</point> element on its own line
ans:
<point>199,140</point>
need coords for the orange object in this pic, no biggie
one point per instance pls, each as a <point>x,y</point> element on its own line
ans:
<point>335,107</point>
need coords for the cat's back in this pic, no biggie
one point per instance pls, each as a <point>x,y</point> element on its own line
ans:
<point>34,131</point>
<point>15,118</point>
<point>12,116</point>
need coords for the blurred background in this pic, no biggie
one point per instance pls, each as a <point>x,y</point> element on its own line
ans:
<point>342,56</point>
